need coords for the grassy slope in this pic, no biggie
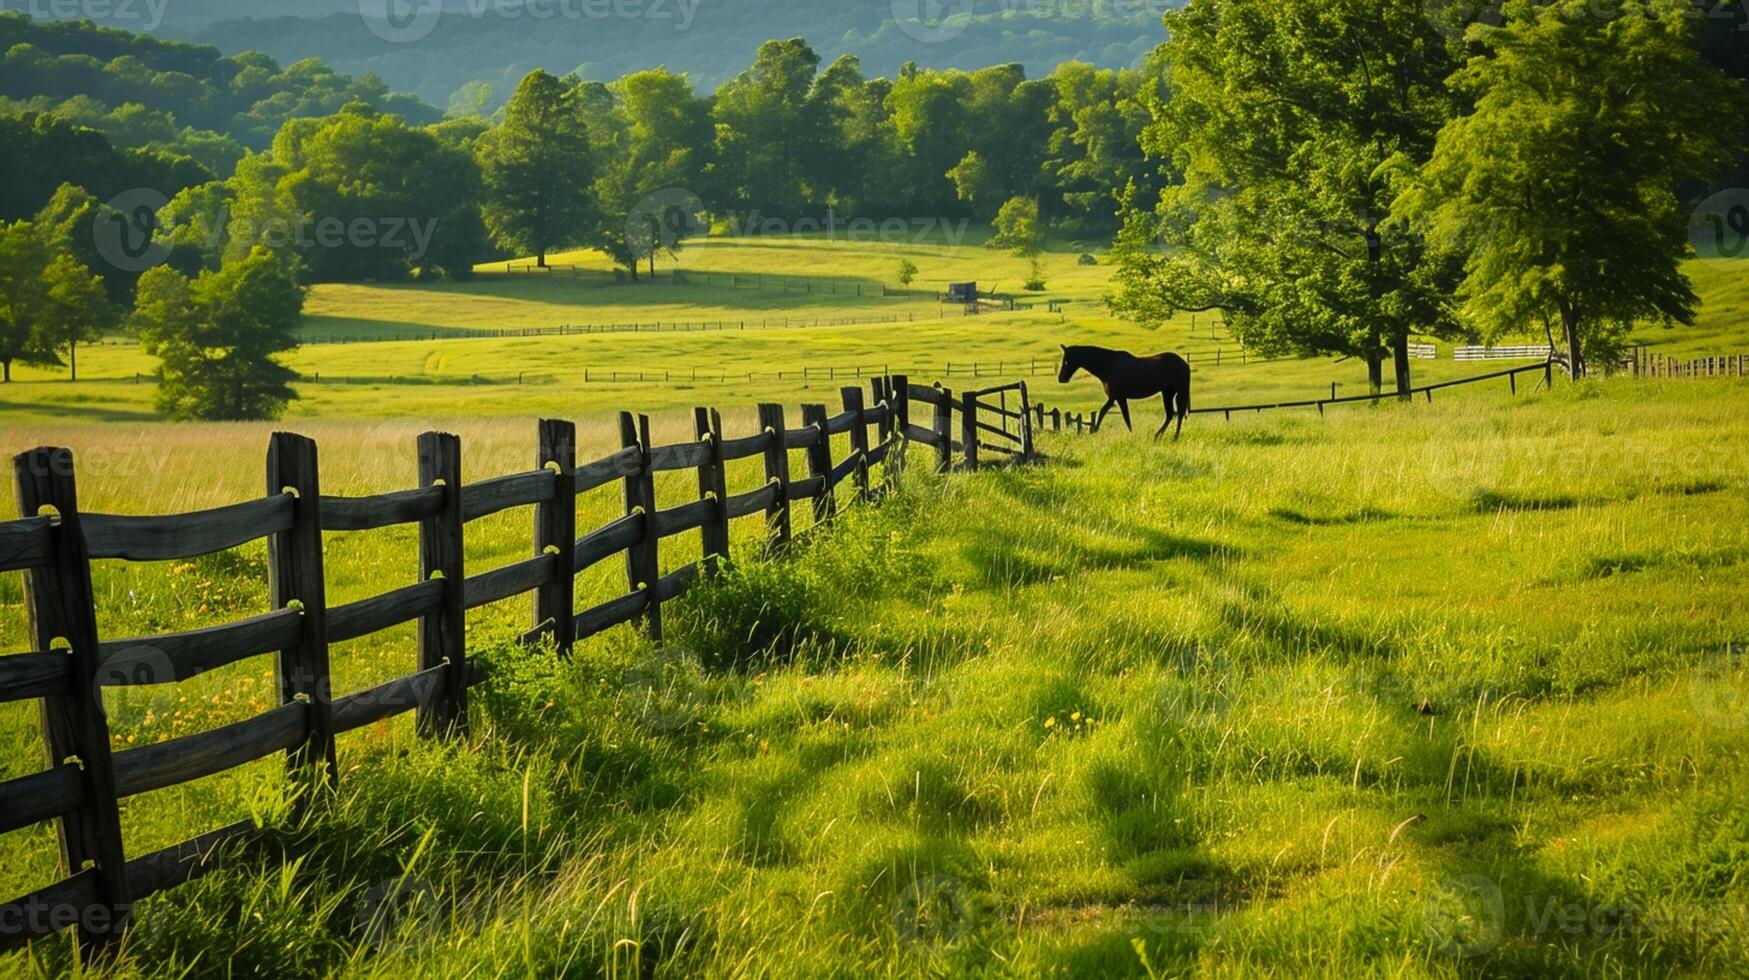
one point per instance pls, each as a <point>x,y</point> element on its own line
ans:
<point>1293,695</point>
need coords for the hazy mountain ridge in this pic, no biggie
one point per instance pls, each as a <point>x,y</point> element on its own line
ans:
<point>712,40</point>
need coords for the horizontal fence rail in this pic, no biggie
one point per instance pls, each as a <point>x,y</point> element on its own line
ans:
<point>54,544</point>
<point>1057,420</point>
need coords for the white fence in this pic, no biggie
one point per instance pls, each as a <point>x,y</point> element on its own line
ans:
<point>1525,353</point>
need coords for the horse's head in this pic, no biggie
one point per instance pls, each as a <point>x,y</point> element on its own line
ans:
<point>1071,364</point>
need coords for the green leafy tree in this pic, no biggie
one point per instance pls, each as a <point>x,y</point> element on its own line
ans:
<point>23,257</point>
<point>540,170</point>
<point>773,131</point>
<point>1559,190</point>
<point>907,272</point>
<point>219,335</point>
<point>75,309</point>
<point>1286,119</point>
<point>1018,229</point>
<point>378,199</point>
<point>656,139</point>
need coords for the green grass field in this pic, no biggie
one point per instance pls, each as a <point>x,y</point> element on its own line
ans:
<point>1450,689</point>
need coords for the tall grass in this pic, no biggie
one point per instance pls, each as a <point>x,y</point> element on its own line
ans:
<point>1443,690</point>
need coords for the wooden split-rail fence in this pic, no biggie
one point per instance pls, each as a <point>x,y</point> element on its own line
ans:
<point>55,544</point>
<point>1645,364</point>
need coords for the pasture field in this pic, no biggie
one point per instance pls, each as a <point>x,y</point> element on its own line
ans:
<point>1431,690</point>
<point>456,379</point>
<point>1446,689</point>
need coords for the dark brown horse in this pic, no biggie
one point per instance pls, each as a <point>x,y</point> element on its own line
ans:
<point>1127,376</point>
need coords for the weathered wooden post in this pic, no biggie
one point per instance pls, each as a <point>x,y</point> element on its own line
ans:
<point>1026,451</point>
<point>442,634</point>
<point>820,463</point>
<point>858,440</point>
<point>777,520</point>
<point>643,557</point>
<point>969,429</point>
<point>294,575</point>
<point>713,485</point>
<point>555,533</point>
<point>901,424</point>
<point>60,608</point>
<point>943,426</point>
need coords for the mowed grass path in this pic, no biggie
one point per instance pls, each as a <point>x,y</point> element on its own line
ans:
<point>1445,690</point>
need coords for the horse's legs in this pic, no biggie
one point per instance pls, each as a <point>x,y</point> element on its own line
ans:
<point>1099,420</point>
<point>1182,412</point>
<point>1124,406</point>
<point>1165,396</point>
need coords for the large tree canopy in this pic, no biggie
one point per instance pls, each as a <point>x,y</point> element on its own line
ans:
<point>1285,120</point>
<point>1559,191</point>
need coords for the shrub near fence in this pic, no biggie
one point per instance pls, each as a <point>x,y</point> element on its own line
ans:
<point>55,543</point>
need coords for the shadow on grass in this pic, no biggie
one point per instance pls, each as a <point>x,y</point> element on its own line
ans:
<point>79,412</point>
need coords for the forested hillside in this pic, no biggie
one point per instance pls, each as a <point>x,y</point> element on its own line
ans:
<point>708,39</point>
<point>172,97</point>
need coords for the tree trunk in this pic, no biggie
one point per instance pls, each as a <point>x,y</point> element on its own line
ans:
<point>73,359</point>
<point>541,259</point>
<point>1400,353</point>
<point>1375,371</point>
<point>652,265</point>
<point>1574,358</point>
<point>6,371</point>
<point>633,265</point>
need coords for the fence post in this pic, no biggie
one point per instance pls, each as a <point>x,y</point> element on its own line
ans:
<point>713,485</point>
<point>820,463</point>
<point>1025,423</point>
<point>858,440</point>
<point>294,570</point>
<point>60,607</point>
<point>777,475</point>
<point>969,428</point>
<point>442,639</point>
<point>555,533</point>
<point>643,557</point>
<point>943,425</point>
<point>901,423</point>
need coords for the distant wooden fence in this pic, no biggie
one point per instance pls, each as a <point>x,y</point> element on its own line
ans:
<point>1056,420</point>
<point>581,329</point>
<point>55,543</point>
<point>1644,364</point>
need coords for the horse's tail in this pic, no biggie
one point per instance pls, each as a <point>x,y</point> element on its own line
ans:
<point>1184,395</point>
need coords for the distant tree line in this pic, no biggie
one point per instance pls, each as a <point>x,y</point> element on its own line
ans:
<point>1331,180</point>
